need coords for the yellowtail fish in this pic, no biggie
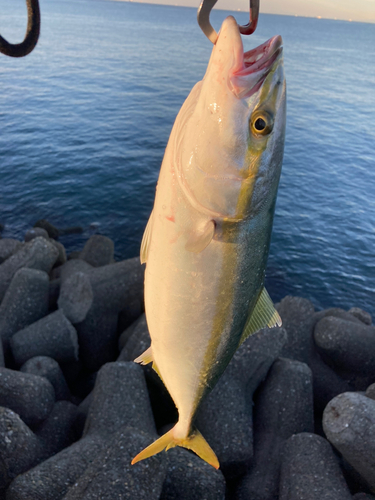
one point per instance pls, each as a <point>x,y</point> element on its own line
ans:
<point>207,239</point>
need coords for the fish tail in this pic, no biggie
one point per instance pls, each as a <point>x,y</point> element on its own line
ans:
<point>194,441</point>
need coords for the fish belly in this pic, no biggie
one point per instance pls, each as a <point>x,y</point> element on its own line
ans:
<point>181,295</point>
<point>195,306</point>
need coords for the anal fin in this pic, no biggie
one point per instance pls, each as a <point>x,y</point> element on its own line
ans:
<point>145,358</point>
<point>156,369</point>
<point>264,314</point>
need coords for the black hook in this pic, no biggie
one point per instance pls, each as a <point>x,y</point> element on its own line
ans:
<point>32,33</point>
<point>204,19</point>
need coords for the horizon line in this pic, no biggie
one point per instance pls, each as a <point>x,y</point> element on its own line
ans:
<point>320,18</point>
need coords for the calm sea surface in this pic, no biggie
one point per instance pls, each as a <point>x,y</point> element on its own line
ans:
<point>85,118</point>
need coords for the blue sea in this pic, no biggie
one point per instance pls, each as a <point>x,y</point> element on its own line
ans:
<point>85,118</point>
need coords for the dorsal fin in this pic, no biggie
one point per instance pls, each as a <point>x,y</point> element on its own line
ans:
<point>264,314</point>
<point>146,240</point>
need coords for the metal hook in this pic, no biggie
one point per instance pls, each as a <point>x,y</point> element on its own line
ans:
<point>31,37</point>
<point>204,19</point>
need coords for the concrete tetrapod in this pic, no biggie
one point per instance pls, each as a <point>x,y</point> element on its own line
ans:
<point>284,407</point>
<point>310,470</point>
<point>349,424</point>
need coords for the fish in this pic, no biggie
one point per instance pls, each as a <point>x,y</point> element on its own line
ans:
<point>207,239</point>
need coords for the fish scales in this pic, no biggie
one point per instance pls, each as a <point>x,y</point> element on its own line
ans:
<point>207,240</point>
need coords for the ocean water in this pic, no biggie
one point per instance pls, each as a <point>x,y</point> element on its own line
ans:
<point>85,118</point>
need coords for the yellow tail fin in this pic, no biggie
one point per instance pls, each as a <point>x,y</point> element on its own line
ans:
<point>195,442</point>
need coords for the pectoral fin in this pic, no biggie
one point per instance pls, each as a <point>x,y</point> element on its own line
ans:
<point>200,238</point>
<point>146,240</point>
<point>195,442</point>
<point>264,314</point>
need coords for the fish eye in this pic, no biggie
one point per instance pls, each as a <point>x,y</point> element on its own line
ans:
<point>261,123</point>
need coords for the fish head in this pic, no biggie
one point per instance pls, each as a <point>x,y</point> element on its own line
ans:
<point>230,142</point>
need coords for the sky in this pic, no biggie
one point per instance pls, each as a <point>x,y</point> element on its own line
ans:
<point>357,10</point>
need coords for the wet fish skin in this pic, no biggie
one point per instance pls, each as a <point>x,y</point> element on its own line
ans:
<point>207,241</point>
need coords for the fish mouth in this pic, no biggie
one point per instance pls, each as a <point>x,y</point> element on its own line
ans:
<point>262,57</point>
<point>256,65</point>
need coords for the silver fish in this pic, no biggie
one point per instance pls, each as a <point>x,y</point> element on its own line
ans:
<point>207,240</point>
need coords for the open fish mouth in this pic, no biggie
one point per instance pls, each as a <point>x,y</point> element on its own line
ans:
<point>256,65</point>
<point>264,56</point>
